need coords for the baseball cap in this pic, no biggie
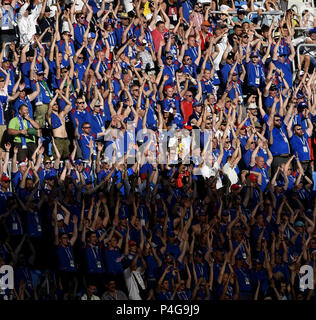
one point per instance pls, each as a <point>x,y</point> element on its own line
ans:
<point>235,187</point>
<point>4,59</point>
<point>273,87</point>
<point>230,56</point>
<point>91,35</point>
<point>168,87</point>
<point>225,213</point>
<point>258,125</point>
<point>106,160</point>
<point>302,105</point>
<point>21,164</point>
<point>253,54</point>
<point>241,11</point>
<point>123,15</point>
<point>60,217</point>
<point>5,178</point>
<point>252,105</point>
<point>160,213</point>
<point>170,110</point>
<point>299,224</point>
<point>131,243</point>
<point>279,183</point>
<point>197,103</point>
<point>252,178</point>
<point>206,23</point>
<point>312,30</point>
<point>171,234</point>
<point>198,253</point>
<point>78,161</point>
<point>47,9</point>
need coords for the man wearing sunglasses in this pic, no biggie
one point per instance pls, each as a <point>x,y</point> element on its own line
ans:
<point>299,142</point>
<point>80,27</point>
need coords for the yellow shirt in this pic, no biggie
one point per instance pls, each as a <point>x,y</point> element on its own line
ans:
<point>146,9</point>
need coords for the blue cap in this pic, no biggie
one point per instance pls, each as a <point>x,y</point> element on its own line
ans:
<point>197,103</point>
<point>239,257</point>
<point>312,30</point>
<point>78,161</point>
<point>280,183</point>
<point>160,213</point>
<point>4,59</point>
<point>302,105</point>
<point>88,181</point>
<point>299,224</point>
<point>225,213</point>
<point>254,54</point>
<point>170,233</point>
<point>91,35</point>
<point>300,95</point>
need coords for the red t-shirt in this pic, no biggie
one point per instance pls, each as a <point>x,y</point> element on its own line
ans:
<point>157,37</point>
<point>187,110</point>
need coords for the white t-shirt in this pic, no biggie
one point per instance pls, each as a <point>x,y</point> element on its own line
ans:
<point>222,45</point>
<point>208,172</point>
<point>231,173</point>
<point>131,284</point>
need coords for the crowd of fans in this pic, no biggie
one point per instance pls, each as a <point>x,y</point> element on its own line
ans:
<point>156,150</point>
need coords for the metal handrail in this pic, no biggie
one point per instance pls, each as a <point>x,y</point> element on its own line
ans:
<point>298,51</point>
<point>272,12</point>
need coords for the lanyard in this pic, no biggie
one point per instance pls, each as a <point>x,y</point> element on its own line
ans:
<point>96,254</point>
<point>243,273</point>
<point>88,140</point>
<point>194,52</point>
<point>183,295</point>
<point>283,135</point>
<point>36,217</point>
<point>200,269</point>
<point>303,140</point>
<point>69,254</point>
<point>172,70</point>
<point>257,70</point>
<point>264,174</point>
<point>99,120</point>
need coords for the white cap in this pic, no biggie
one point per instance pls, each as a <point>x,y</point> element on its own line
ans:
<point>65,27</point>
<point>244,6</point>
<point>106,160</point>
<point>21,164</point>
<point>252,105</point>
<point>60,217</point>
<point>158,19</point>
<point>149,16</point>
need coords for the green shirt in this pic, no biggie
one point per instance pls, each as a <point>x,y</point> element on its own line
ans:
<point>15,124</point>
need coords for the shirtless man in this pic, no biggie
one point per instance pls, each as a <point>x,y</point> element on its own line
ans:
<point>56,120</point>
